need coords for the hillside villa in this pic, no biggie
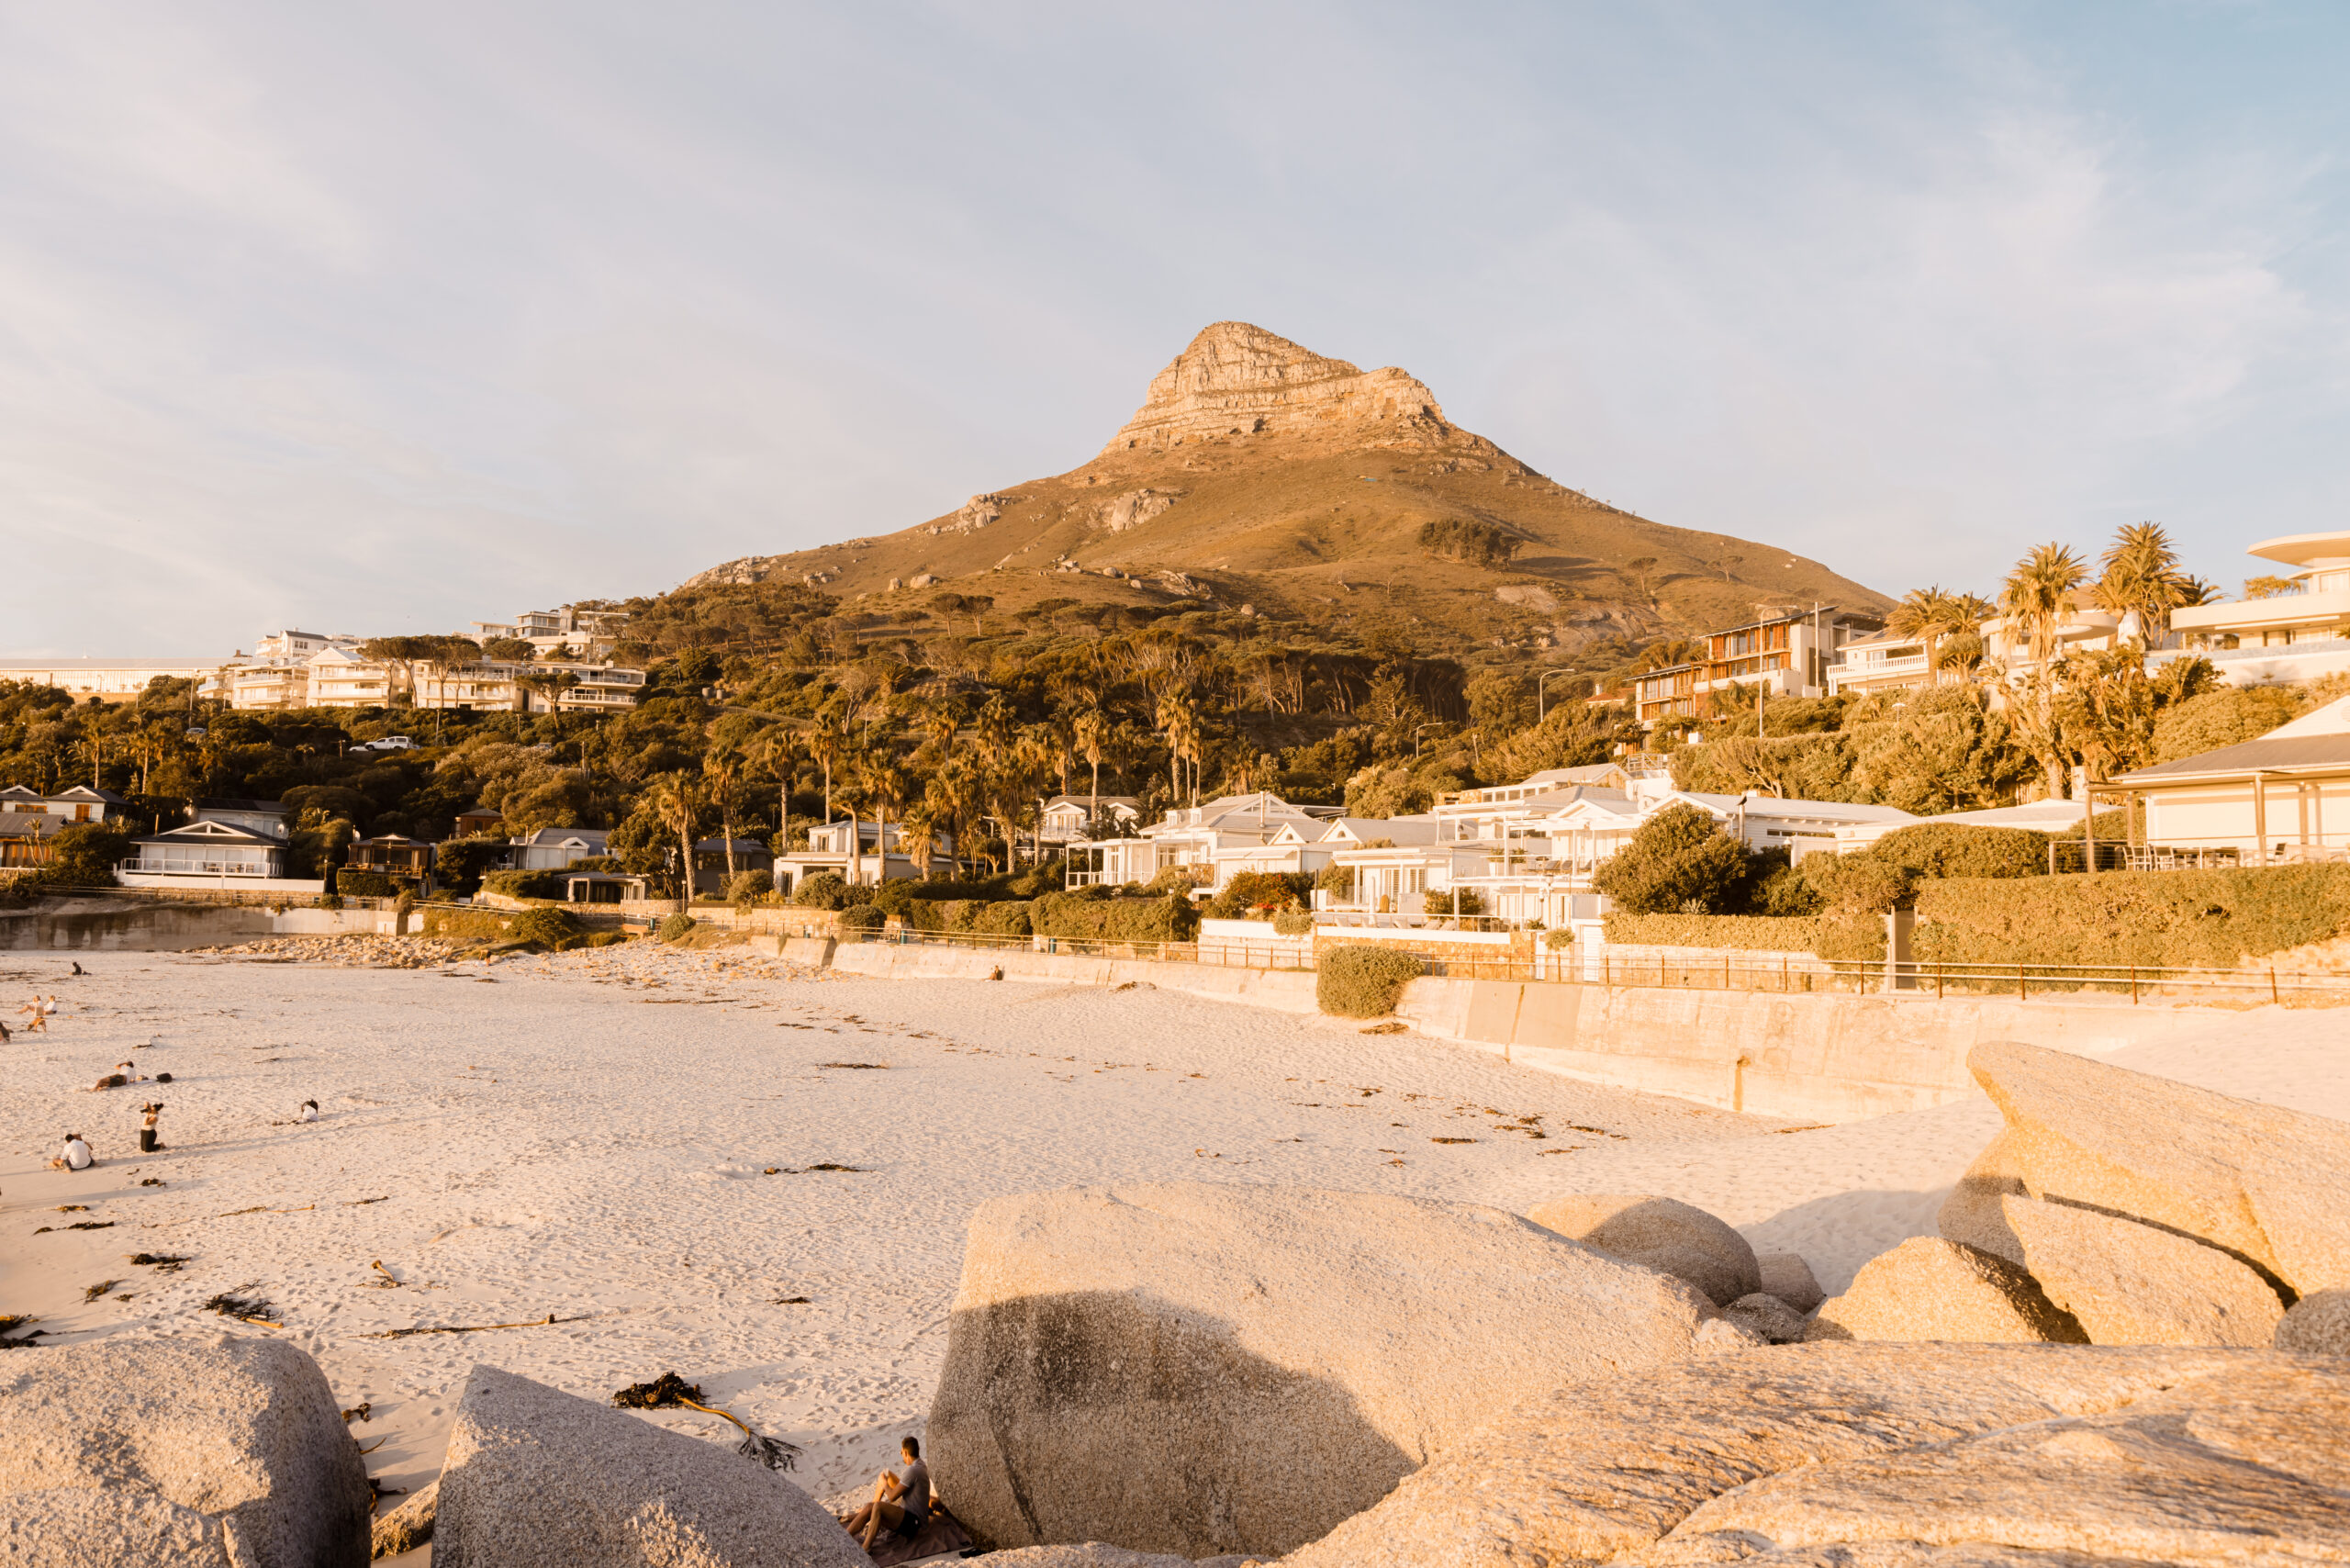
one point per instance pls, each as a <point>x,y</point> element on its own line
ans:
<point>2284,638</point>
<point>1788,653</point>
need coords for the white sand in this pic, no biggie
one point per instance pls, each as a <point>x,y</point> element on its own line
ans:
<point>587,1136</point>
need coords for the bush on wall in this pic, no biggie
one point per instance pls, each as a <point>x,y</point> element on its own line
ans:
<point>2209,919</point>
<point>1752,933</point>
<point>1169,919</point>
<point>1361,980</point>
<point>365,885</point>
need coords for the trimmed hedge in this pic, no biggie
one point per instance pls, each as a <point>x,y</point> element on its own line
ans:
<point>1293,923</point>
<point>1075,914</point>
<point>365,885</point>
<point>860,923</point>
<point>676,928</point>
<point>1942,850</point>
<point>2212,919</point>
<point>1752,933</point>
<point>1360,980</point>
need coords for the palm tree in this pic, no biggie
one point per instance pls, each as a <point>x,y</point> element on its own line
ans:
<point>2142,578</point>
<point>1179,723</point>
<point>676,804</point>
<point>883,783</point>
<point>1090,729</point>
<point>774,753</point>
<point>721,766</point>
<point>938,727</point>
<point>918,831</point>
<point>2037,597</point>
<point>1928,614</point>
<point>827,738</point>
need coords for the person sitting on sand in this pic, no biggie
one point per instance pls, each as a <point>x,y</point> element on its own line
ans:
<point>128,1072</point>
<point>901,1500</point>
<point>147,1144</point>
<point>74,1156</point>
<point>309,1113</point>
<point>4,1033</point>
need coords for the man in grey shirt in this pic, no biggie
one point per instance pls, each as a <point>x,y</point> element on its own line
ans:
<point>900,1499</point>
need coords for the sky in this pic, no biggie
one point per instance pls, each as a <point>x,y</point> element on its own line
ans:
<point>385,319</point>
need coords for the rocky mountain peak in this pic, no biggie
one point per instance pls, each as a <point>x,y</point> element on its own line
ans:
<point>1239,379</point>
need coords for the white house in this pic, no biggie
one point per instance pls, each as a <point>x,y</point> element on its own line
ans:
<point>212,853</point>
<point>75,803</point>
<point>2282,798</point>
<point>860,852</point>
<point>1068,818</point>
<point>111,680</point>
<point>555,848</point>
<point>1196,836</point>
<point>2287,637</point>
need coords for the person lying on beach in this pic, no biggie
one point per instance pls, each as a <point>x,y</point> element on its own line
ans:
<point>127,1072</point>
<point>901,1500</point>
<point>74,1156</point>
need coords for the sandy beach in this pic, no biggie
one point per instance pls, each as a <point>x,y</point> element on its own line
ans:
<point>633,1140</point>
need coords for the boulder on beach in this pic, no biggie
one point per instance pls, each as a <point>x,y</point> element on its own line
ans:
<point>1201,1370</point>
<point>242,1432</point>
<point>2128,1283</point>
<point>1097,1554</point>
<point>1767,1316</point>
<point>2319,1324</point>
<point>1788,1277</point>
<point>1907,1455</point>
<point>72,1527</point>
<point>1929,1289</point>
<point>1971,1214</point>
<point>2259,1181</point>
<point>1665,1234</point>
<point>535,1476</point>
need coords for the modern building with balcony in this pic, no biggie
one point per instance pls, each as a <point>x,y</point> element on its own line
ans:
<point>2284,638</point>
<point>1788,655</point>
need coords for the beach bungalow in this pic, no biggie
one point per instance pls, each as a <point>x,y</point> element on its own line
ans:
<point>555,848</point>
<point>209,853</point>
<point>2281,798</point>
<point>77,803</point>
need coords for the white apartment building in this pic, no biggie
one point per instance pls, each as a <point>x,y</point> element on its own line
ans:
<point>1787,655</point>
<point>109,680</point>
<point>585,632</point>
<point>1216,841</point>
<point>339,676</point>
<point>2290,637</point>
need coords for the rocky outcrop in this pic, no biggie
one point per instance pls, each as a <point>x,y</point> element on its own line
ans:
<point>1788,1277</point>
<point>1665,1233</point>
<point>974,515</point>
<point>2128,1283</point>
<point>2259,1181</point>
<point>1132,510</point>
<point>536,1477</point>
<point>1885,1455</point>
<point>1096,1554</point>
<point>1929,1289</point>
<point>1199,1369</point>
<point>1235,379</point>
<point>241,1433</point>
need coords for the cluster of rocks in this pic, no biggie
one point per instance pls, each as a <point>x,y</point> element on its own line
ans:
<point>354,951</point>
<point>2127,1347</point>
<point>2080,1373</point>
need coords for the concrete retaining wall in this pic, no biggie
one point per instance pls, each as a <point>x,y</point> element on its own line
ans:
<point>1287,991</point>
<point>156,926</point>
<point>1829,1058</point>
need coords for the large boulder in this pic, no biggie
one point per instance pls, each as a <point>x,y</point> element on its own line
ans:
<point>1929,1289</point>
<point>2128,1283</point>
<point>1198,1370</point>
<point>1949,1455</point>
<point>1097,1554</point>
<point>1971,1213</point>
<point>2260,1182</point>
<point>535,1476</point>
<point>1788,1277</point>
<point>1667,1235</point>
<point>243,1433</point>
<point>2319,1324</point>
<point>72,1527</point>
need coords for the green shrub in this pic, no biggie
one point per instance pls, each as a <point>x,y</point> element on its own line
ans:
<point>474,925</point>
<point>677,927</point>
<point>540,884</point>
<point>825,889</point>
<point>749,887</point>
<point>1780,889</point>
<point>1560,939</point>
<point>1252,891</point>
<point>2112,827</point>
<point>365,885</point>
<point>861,923</point>
<point>1858,883</point>
<point>1176,880</point>
<point>1460,901</point>
<point>84,854</point>
<point>1004,917</point>
<point>1336,880</point>
<point>1937,850</point>
<point>1678,857</point>
<point>458,863</point>
<point>1360,980</point>
<point>2152,919</point>
<point>1752,933</point>
<point>553,929</point>
<point>1101,919</point>
<point>1293,923</point>
<point>1851,937</point>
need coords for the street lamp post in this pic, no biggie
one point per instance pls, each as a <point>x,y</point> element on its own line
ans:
<point>1538,685</point>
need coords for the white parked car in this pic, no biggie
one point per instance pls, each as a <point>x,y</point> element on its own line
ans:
<point>389,742</point>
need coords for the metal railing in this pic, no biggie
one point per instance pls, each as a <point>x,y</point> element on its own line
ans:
<point>2135,983</point>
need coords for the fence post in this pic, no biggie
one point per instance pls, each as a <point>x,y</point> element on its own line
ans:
<point>2133,985</point>
<point>2272,982</point>
<point>2023,987</point>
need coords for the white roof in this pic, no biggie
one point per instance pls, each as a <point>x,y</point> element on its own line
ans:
<point>1810,811</point>
<point>2333,719</point>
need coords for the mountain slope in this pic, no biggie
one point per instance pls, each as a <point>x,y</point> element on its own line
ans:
<point>1256,473</point>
